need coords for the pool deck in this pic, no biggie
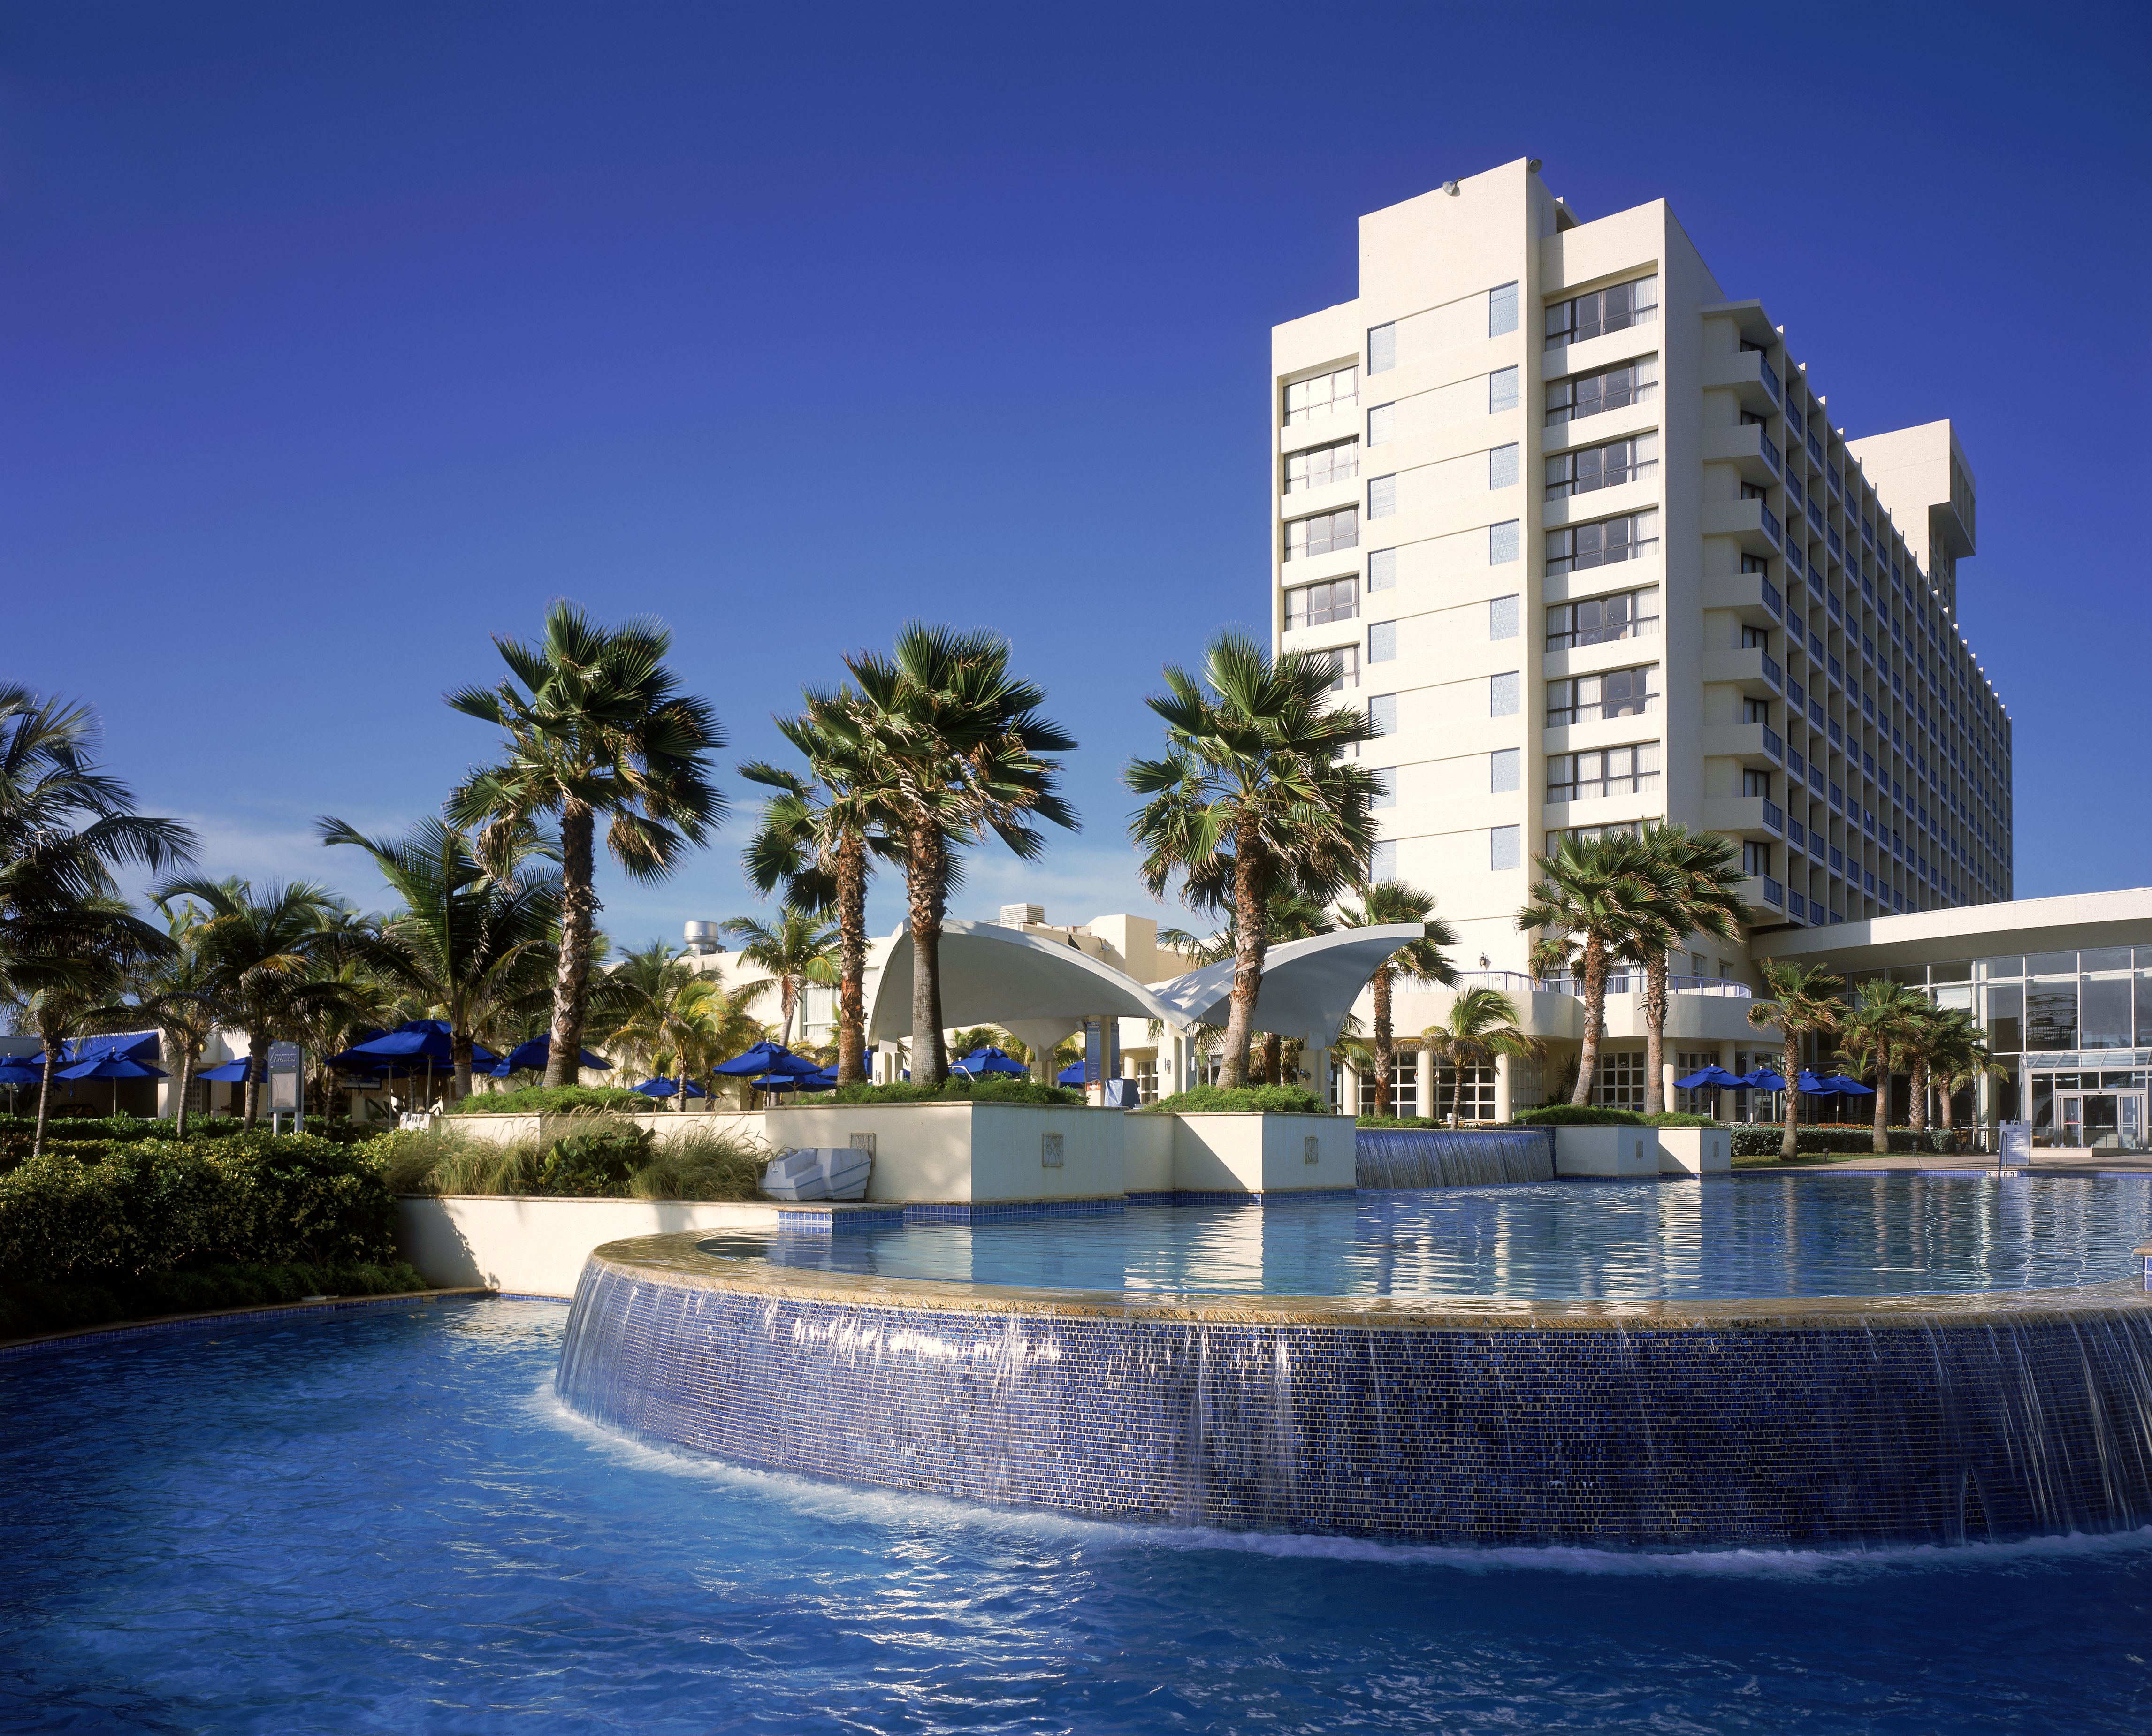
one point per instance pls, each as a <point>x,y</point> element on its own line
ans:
<point>2044,1163</point>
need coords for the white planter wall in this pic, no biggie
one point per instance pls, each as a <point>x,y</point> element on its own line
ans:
<point>511,1129</point>
<point>1695,1150</point>
<point>956,1151</point>
<point>1231,1152</point>
<point>1632,1151</point>
<point>537,1246</point>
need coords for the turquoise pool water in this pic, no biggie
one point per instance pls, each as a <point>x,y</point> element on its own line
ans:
<point>1859,1235</point>
<point>381,1521</point>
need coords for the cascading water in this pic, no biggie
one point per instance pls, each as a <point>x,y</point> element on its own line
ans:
<point>1401,1158</point>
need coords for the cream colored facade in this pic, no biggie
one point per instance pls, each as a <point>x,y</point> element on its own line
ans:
<point>1591,549</point>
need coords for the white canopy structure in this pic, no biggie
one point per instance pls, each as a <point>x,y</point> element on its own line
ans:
<point>1308,986</point>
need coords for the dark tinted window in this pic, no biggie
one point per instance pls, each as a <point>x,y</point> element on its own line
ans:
<point>2051,1016</point>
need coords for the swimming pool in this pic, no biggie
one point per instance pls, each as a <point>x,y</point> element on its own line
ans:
<point>1744,1237</point>
<point>383,1521</point>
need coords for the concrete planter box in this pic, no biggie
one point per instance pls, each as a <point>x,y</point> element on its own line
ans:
<point>1147,1152</point>
<point>513,1129</point>
<point>1606,1151</point>
<point>1252,1153</point>
<point>1694,1150</point>
<point>537,1246</point>
<point>955,1152</point>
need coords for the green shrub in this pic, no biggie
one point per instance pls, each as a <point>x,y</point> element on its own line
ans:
<point>595,1163</point>
<point>702,1165</point>
<point>1573,1114</point>
<point>994,1088</point>
<point>695,1163</point>
<point>1397,1122</point>
<point>29,1308</point>
<point>150,1207</point>
<point>1670,1117</point>
<point>554,1100</point>
<point>1762,1141</point>
<point>1271,1099</point>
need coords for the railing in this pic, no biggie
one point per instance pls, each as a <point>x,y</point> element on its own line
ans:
<point>1770,453</point>
<point>1628,980</point>
<point>1772,599</point>
<point>1796,905</point>
<point>1830,603</point>
<point>1772,817</point>
<point>1773,893</point>
<point>1771,672</point>
<point>1770,380</point>
<point>1797,835</point>
<point>1815,646</point>
<point>1771,528</point>
<point>1815,513</point>
<point>1772,746</point>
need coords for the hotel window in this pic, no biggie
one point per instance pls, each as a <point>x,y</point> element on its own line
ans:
<point>1382,641</point>
<point>1382,497</point>
<point>1382,862</point>
<point>1755,859</point>
<point>1610,388</point>
<point>1505,770</point>
<point>1382,569</point>
<point>1383,714</point>
<point>1501,309</point>
<point>1502,467</point>
<point>1327,531</point>
<point>1603,310</point>
<point>1589,699</point>
<point>1597,467</point>
<point>1473,1100</point>
<point>1313,605</point>
<point>1504,848</point>
<point>1603,620</point>
<point>1305,399</point>
<point>1611,771</point>
<point>1320,466</point>
<point>1581,547</point>
<point>1346,663</point>
<point>1502,543</point>
<point>1386,787</point>
<point>1618,1081</point>
<point>1501,390</point>
<point>1504,694</point>
<point>1502,618</point>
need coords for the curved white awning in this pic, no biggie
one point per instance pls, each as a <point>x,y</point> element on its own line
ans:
<point>1308,986</point>
<point>992,975</point>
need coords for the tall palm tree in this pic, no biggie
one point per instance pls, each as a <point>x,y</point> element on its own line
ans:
<point>1598,894</point>
<point>599,729</point>
<point>655,1011</point>
<point>1251,795</point>
<point>952,745</point>
<point>1878,1035</point>
<point>174,993</point>
<point>264,957</point>
<point>1961,1059</point>
<point>800,948</point>
<point>471,940</point>
<point>83,1002</point>
<point>1480,1025</point>
<point>1421,961</point>
<point>1805,1000</point>
<point>1695,874</point>
<point>818,839</point>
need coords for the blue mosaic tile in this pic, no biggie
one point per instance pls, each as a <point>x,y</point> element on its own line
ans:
<point>996,1212</point>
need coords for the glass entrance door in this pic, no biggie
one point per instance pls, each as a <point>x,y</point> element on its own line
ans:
<point>2101,1120</point>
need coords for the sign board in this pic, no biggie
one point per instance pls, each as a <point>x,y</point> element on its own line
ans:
<point>283,1092</point>
<point>283,1058</point>
<point>2017,1147</point>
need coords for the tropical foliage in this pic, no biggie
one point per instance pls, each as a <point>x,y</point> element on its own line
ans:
<point>797,949</point>
<point>1421,961</point>
<point>1480,1025</point>
<point>1804,1002</point>
<point>1881,1033</point>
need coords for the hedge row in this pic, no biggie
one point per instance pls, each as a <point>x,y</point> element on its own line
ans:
<point>1274,1099</point>
<point>27,1309</point>
<point>156,1206</point>
<point>1763,1140</point>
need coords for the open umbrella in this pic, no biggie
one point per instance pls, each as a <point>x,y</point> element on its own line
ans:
<point>662,1087</point>
<point>114,1068</point>
<point>1813,1086</point>
<point>529,1057</point>
<point>1763,1079</point>
<point>430,1040</point>
<point>991,1060</point>
<point>230,1073</point>
<point>1711,1078</point>
<point>767,1058</point>
<point>1072,1074</point>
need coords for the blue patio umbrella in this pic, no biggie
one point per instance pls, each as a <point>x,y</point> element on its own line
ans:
<point>131,1045</point>
<point>991,1060</point>
<point>21,1070</point>
<point>231,1073</point>
<point>114,1068</point>
<point>1072,1074</point>
<point>429,1039</point>
<point>1711,1078</point>
<point>662,1087</point>
<point>767,1058</point>
<point>825,1080</point>
<point>782,1082</point>
<point>1815,1087</point>
<point>1848,1088</point>
<point>1763,1079</point>
<point>537,1053</point>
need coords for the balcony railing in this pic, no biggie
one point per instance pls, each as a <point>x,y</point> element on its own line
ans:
<point>1770,380</point>
<point>1771,455</point>
<point>1772,599</point>
<point>1772,746</point>
<point>1773,893</point>
<point>1773,818</point>
<point>1623,981</point>
<point>1771,672</point>
<point>1771,528</point>
<point>1797,835</point>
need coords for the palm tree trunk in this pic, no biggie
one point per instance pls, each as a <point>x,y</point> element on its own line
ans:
<point>1457,1095</point>
<point>1789,1063</point>
<point>1882,1104</point>
<point>1655,1034</point>
<point>1917,1109</point>
<point>459,1055</point>
<point>787,997</point>
<point>1595,1018</point>
<point>571,982</point>
<point>257,1069</point>
<point>930,1057</point>
<point>1247,965</point>
<point>1385,1047</point>
<point>52,1058</point>
<point>186,1085</point>
<point>1273,1059</point>
<point>852,959</point>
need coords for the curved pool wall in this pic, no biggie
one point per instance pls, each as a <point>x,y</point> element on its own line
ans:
<point>1398,1158</point>
<point>1784,1423</point>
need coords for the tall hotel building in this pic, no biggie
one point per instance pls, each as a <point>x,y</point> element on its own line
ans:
<point>1593,550</point>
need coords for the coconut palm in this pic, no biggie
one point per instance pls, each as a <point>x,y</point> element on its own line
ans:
<point>84,1002</point>
<point>264,958</point>
<point>1598,894</point>
<point>1480,1025</point>
<point>174,994</point>
<point>1251,795</point>
<point>1878,1035</point>
<point>656,1012</point>
<point>1695,874</point>
<point>1960,1058</point>
<point>951,746</point>
<point>800,948</point>
<point>599,730</point>
<point>469,943</point>
<point>1805,1000</point>
<point>1421,961</point>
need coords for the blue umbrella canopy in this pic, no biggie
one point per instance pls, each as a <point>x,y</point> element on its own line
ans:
<point>767,1058</point>
<point>111,1067</point>
<point>529,1056</point>
<point>16,1070</point>
<point>1763,1079</point>
<point>1072,1074</point>
<point>1711,1078</point>
<point>991,1060</point>
<point>231,1073</point>
<point>825,1080</point>
<point>1815,1087</point>
<point>134,1045</point>
<point>1848,1088</point>
<point>662,1087</point>
<point>426,1038</point>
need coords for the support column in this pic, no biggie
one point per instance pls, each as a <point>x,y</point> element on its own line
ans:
<point>1503,1066</point>
<point>1424,1083</point>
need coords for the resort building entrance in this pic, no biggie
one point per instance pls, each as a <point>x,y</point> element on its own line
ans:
<point>2102,1120</point>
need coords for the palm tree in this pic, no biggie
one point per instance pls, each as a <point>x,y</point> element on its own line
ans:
<point>600,729</point>
<point>818,839</point>
<point>801,948</point>
<point>1480,1025</point>
<point>1252,795</point>
<point>1695,874</point>
<point>655,1010</point>
<point>82,1003</point>
<point>1961,1059</point>
<point>1421,961</point>
<point>1804,999</point>
<point>264,957</point>
<point>470,942</point>
<point>1596,893</point>
<point>1878,1034</point>
<point>174,993</point>
<point>951,745</point>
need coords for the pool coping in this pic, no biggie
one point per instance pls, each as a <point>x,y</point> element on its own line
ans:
<point>679,1260</point>
<point>168,1322</point>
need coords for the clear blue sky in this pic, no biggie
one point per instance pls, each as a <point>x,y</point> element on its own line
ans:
<point>337,339</point>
